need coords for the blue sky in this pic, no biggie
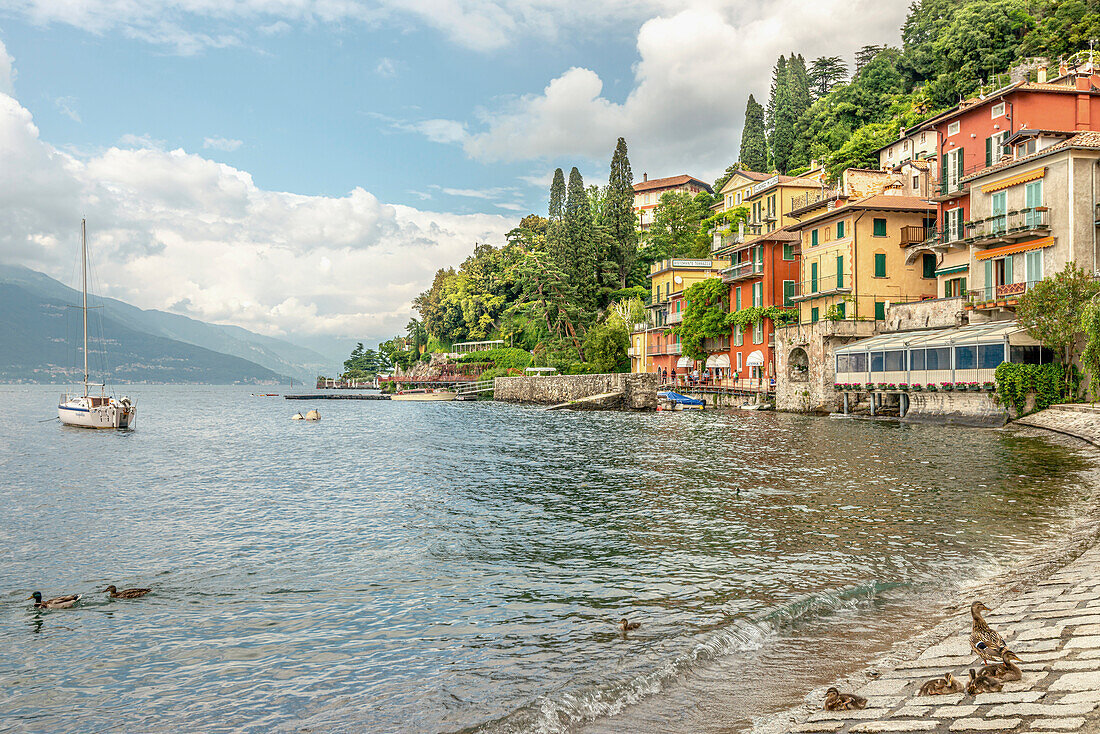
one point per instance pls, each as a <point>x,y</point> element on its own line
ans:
<point>302,168</point>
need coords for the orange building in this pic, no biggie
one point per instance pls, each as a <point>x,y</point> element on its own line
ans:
<point>647,194</point>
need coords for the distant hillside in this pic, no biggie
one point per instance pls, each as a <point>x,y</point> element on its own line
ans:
<point>40,339</point>
<point>276,355</point>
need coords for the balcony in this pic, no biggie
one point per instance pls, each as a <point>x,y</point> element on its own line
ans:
<point>829,285</point>
<point>724,241</point>
<point>674,317</point>
<point>913,234</point>
<point>999,296</point>
<point>633,352</point>
<point>812,198</point>
<point>673,349</point>
<point>938,238</point>
<point>953,184</point>
<point>742,271</point>
<point>1010,227</point>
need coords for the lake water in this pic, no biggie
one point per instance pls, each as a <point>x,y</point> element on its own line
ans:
<point>445,567</point>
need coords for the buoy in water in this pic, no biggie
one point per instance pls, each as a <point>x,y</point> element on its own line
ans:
<point>313,415</point>
<point>297,417</point>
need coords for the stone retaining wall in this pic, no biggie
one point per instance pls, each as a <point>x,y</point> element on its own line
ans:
<point>956,408</point>
<point>639,391</point>
<point>1080,421</point>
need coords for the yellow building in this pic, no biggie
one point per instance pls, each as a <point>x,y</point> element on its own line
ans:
<point>854,257</point>
<point>769,201</point>
<point>651,348</point>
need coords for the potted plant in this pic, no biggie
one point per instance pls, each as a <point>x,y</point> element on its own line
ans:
<point>839,386</point>
<point>988,386</point>
<point>891,386</point>
<point>869,385</point>
<point>882,386</point>
<point>917,387</point>
<point>932,387</point>
<point>903,386</point>
<point>973,387</point>
<point>947,386</point>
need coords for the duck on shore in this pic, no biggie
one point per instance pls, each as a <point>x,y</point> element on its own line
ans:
<point>125,593</point>
<point>982,684</point>
<point>984,641</point>
<point>1006,671</point>
<point>837,701</point>
<point>58,602</point>
<point>942,686</point>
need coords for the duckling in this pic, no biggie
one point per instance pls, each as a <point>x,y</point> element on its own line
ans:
<point>58,602</point>
<point>1007,671</point>
<point>982,684</point>
<point>942,686</point>
<point>837,701</point>
<point>984,641</point>
<point>626,626</point>
<point>125,593</point>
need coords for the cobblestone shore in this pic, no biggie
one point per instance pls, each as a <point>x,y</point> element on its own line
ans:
<point>1054,627</point>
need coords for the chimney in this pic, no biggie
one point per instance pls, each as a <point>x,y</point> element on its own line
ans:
<point>1082,83</point>
<point>645,176</point>
<point>1063,69</point>
<point>1041,75</point>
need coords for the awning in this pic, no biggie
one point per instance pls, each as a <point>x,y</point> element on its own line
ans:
<point>1020,178</point>
<point>684,362</point>
<point>756,359</point>
<point>718,360</point>
<point>953,270</point>
<point>1018,247</point>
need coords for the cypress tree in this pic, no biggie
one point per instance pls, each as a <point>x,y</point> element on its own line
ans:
<point>619,214</point>
<point>778,89</point>
<point>754,143</point>
<point>781,116</point>
<point>798,81</point>
<point>557,196</point>
<point>579,241</point>
<point>555,236</point>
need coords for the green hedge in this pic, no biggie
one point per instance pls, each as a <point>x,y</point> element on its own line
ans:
<point>504,358</point>
<point>1047,381</point>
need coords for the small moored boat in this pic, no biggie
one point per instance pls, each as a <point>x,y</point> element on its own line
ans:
<point>425,395</point>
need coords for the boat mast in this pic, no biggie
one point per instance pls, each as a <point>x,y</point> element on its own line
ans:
<point>84,278</point>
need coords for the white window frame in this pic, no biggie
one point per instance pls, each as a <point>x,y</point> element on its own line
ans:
<point>758,332</point>
<point>998,110</point>
<point>1030,258</point>
<point>738,339</point>
<point>952,224</point>
<point>953,128</point>
<point>922,137</point>
<point>738,198</point>
<point>739,368</point>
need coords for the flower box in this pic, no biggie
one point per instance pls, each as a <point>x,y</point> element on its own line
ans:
<point>869,385</point>
<point>932,388</point>
<point>891,386</point>
<point>903,386</point>
<point>917,387</point>
<point>882,386</point>
<point>988,386</point>
<point>962,386</point>
<point>839,387</point>
<point>947,386</point>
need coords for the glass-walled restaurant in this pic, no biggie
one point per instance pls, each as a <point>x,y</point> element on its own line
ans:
<point>966,354</point>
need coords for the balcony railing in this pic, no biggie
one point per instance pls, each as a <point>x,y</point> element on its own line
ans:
<point>674,317</point>
<point>673,349</point>
<point>953,185</point>
<point>913,234</point>
<point>991,296</point>
<point>1009,227</point>
<point>723,241</point>
<point>742,270</point>
<point>814,197</point>
<point>939,237</point>
<point>826,285</point>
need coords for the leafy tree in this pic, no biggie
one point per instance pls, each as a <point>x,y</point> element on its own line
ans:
<point>676,222</point>
<point>825,73</point>
<point>726,175</point>
<point>798,83</point>
<point>619,217</point>
<point>1052,311</point>
<point>545,294</point>
<point>605,346</point>
<point>1062,28</point>
<point>866,54</point>
<point>754,142</point>
<point>861,149</point>
<point>706,316</point>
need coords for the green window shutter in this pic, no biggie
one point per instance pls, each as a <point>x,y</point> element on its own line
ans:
<point>988,152</point>
<point>839,230</point>
<point>788,251</point>
<point>839,271</point>
<point>737,297</point>
<point>880,228</point>
<point>788,292</point>
<point>880,265</point>
<point>929,266</point>
<point>943,172</point>
<point>813,238</point>
<point>959,216</point>
<point>813,315</point>
<point>813,277</point>
<point>1009,275</point>
<point>959,162</point>
<point>947,288</point>
<point>840,309</point>
<point>880,310</point>
<point>962,287</point>
<point>989,287</point>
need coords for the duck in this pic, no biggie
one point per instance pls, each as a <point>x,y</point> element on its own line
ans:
<point>1007,671</point>
<point>626,626</point>
<point>125,593</point>
<point>837,701</point>
<point>58,602</point>
<point>982,684</point>
<point>984,641</point>
<point>942,686</point>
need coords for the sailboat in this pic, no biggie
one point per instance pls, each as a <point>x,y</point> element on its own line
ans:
<point>93,411</point>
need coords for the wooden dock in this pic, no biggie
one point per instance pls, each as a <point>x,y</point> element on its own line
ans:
<point>338,396</point>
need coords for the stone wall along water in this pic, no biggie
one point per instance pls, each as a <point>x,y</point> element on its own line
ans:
<point>639,391</point>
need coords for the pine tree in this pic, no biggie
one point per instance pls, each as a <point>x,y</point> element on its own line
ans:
<point>781,116</point>
<point>798,81</point>
<point>798,100</point>
<point>778,89</point>
<point>581,257</point>
<point>825,73</point>
<point>619,216</point>
<point>556,245</point>
<point>754,143</point>
<point>866,54</point>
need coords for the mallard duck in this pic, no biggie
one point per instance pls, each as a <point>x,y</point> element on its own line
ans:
<point>984,641</point>
<point>125,593</point>
<point>1006,671</point>
<point>942,686</point>
<point>982,684</point>
<point>626,626</point>
<point>837,701</point>
<point>58,602</point>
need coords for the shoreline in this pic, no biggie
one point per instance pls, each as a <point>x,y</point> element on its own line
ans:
<point>944,644</point>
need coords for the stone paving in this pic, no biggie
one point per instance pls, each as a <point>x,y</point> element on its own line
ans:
<point>1054,627</point>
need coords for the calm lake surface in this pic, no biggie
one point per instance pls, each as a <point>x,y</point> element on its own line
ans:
<point>446,567</point>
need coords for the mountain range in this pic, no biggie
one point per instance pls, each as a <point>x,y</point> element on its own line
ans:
<point>40,334</point>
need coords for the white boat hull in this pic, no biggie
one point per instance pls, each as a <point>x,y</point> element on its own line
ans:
<point>92,412</point>
<point>425,396</point>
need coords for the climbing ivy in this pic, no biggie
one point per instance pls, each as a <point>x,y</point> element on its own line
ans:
<point>746,317</point>
<point>1090,357</point>
<point>1015,382</point>
<point>706,316</point>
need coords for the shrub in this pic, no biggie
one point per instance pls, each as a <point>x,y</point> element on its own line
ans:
<point>1048,382</point>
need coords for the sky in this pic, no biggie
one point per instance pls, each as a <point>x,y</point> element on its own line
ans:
<point>301,168</point>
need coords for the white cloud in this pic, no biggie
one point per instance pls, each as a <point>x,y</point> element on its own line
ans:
<point>132,140</point>
<point>7,71</point>
<point>696,69</point>
<point>387,67</point>
<point>438,131</point>
<point>176,231</point>
<point>67,107</point>
<point>277,28</point>
<point>220,143</point>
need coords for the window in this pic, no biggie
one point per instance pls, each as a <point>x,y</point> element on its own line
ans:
<point>879,227</point>
<point>813,277</point>
<point>828,233</point>
<point>954,287</point>
<point>998,110</point>
<point>997,210</point>
<point>789,292</point>
<point>813,315</point>
<point>813,238</point>
<point>839,230</point>
<point>953,128</point>
<point>966,358</point>
<point>938,359</point>
<point>737,298</point>
<point>738,197</point>
<point>922,136</point>
<point>840,310</point>
<point>758,332</point>
<point>788,251</point>
<point>916,359</point>
<point>895,361</point>
<point>880,264</point>
<point>1025,148</point>
<point>995,148</point>
<point>880,310</point>
<point>905,145</point>
<point>951,170</point>
<point>878,361</point>
<point>928,263</point>
<point>842,363</point>
<point>857,362</point>
<point>839,271</point>
<point>1033,197</point>
<point>1034,264</point>
<point>916,181</point>
<point>990,356</point>
<point>952,223</point>
<point>738,339</point>
<point>758,295</point>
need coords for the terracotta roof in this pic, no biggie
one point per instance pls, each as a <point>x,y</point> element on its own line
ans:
<point>1089,140</point>
<point>880,202</point>
<point>668,183</point>
<point>754,175</point>
<point>997,94</point>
